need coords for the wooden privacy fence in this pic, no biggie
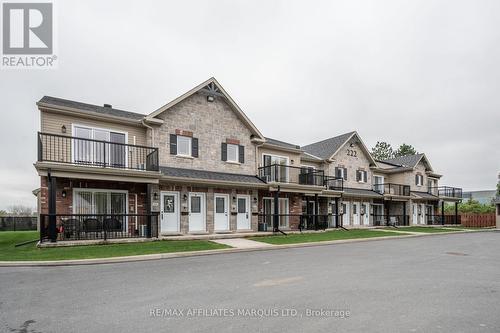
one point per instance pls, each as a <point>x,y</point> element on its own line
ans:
<point>478,220</point>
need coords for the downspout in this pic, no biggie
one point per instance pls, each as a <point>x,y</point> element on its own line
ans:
<point>152,132</point>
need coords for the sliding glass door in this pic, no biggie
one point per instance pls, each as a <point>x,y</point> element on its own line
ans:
<point>100,147</point>
<point>103,204</point>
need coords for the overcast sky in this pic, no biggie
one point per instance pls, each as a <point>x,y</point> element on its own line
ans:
<point>424,73</point>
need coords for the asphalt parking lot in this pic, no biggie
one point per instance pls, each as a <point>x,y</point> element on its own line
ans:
<point>439,283</point>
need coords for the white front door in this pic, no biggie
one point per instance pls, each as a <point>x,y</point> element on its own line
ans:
<point>366,217</point>
<point>243,209</point>
<point>221,216</point>
<point>415,214</point>
<point>197,212</point>
<point>170,218</point>
<point>346,218</point>
<point>356,207</point>
<point>422,215</point>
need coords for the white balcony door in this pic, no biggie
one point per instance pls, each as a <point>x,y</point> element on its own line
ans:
<point>221,216</point>
<point>197,212</point>
<point>108,147</point>
<point>170,217</point>
<point>378,182</point>
<point>243,215</point>
<point>356,207</point>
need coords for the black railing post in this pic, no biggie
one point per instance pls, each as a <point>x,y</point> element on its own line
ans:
<point>40,147</point>
<point>336,212</point>
<point>276,211</point>
<point>148,226</point>
<point>456,212</point>
<point>442,212</point>
<point>316,211</point>
<point>52,187</point>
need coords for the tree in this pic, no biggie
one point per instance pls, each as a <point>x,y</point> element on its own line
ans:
<point>405,150</point>
<point>382,151</point>
<point>20,210</point>
<point>470,206</point>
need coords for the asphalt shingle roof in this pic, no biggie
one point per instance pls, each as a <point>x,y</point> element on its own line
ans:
<point>408,160</point>
<point>91,108</point>
<point>210,175</point>
<point>424,195</point>
<point>326,148</point>
<point>362,192</point>
<point>282,143</point>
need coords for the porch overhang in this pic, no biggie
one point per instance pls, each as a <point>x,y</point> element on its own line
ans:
<point>391,197</point>
<point>359,192</point>
<point>209,182</point>
<point>295,188</point>
<point>96,173</point>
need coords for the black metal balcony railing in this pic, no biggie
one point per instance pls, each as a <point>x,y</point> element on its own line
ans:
<point>96,153</point>
<point>63,227</point>
<point>280,173</point>
<point>390,220</point>
<point>334,183</point>
<point>392,189</point>
<point>446,191</point>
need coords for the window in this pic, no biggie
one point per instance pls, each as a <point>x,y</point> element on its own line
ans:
<point>183,145</point>
<point>361,176</point>
<point>220,204</point>
<point>112,152</point>
<point>242,205</point>
<point>101,202</point>
<point>232,153</point>
<point>419,180</point>
<point>341,172</point>
<point>195,204</point>
<point>275,168</point>
<point>282,210</point>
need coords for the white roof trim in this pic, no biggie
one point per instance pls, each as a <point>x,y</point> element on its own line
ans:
<point>363,146</point>
<point>232,103</point>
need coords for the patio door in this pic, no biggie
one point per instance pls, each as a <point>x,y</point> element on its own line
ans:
<point>378,182</point>
<point>197,212</point>
<point>221,217</point>
<point>243,209</point>
<point>378,214</point>
<point>282,211</point>
<point>356,212</point>
<point>102,204</point>
<point>170,217</point>
<point>99,147</point>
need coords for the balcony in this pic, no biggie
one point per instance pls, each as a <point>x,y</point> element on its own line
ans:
<point>446,191</point>
<point>392,189</point>
<point>279,173</point>
<point>95,153</point>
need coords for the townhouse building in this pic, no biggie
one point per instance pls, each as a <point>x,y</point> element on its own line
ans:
<point>198,165</point>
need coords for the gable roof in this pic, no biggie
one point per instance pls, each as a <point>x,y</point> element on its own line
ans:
<point>282,144</point>
<point>326,149</point>
<point>49,101</point>
<point>410,161</point>
<point>221,92</point>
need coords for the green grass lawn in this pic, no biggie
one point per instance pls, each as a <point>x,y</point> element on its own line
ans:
<point>324,236</point>
<point>427,230</point>
<point>30,252</point>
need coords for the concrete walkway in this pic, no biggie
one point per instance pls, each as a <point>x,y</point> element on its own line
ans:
<point>242,243</point>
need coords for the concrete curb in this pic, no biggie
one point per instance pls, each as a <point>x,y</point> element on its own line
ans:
<point>158,256</point>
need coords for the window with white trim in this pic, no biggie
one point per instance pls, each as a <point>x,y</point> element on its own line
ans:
<point>233,153</point>
<point>108,149</point>
<point>419,180</point>
<point>184,144</point>
<point>361,176</point>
